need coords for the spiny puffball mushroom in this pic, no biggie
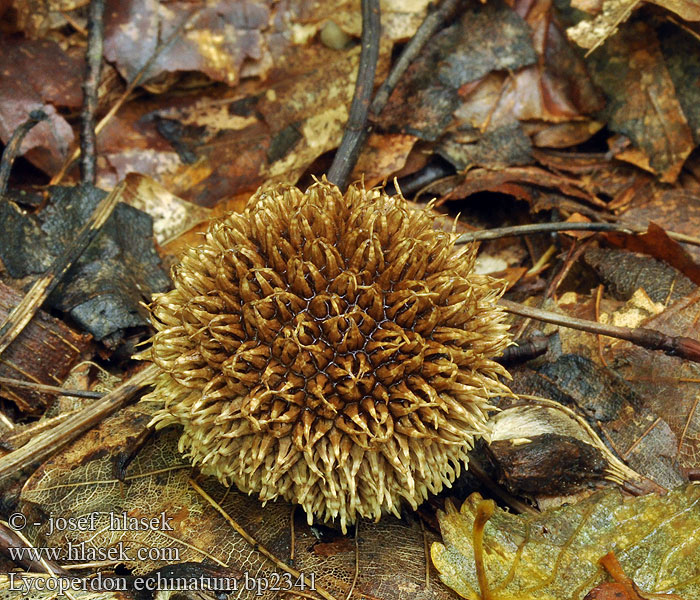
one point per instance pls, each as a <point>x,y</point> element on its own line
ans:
<point>334,350</point>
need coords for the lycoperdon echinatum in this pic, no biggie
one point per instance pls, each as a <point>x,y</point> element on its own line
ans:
<point>334,350</point>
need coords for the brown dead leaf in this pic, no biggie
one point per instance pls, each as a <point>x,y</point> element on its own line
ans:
<point>223,41</point>
<point>681,52</point>
<point>38,75</point>
<point>660,377</point>
<point>486,38</point>
<point>81,479</point>
<point>641,99</point>
<point>36,17</point>
<point>171,215</point>
<point>207,148</point>
<point>382,156</point>
<point>655,242</point>
<point>688,10</point>
<point>673,210</point>
<point>592,33</point>
<point>624,272</point>
<point>479,180</point>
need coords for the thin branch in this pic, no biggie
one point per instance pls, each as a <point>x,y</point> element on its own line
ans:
<point>518,230</point>
<point>49,389</point>
<point>652,339</point>
<point>356,129</point>
<point>433,20</point>
<point>13,145</point>
<point>45,444</point>
<point>56,179</point>
<point>88,139</point>
<point>427,29</point>
<point>21,314</point>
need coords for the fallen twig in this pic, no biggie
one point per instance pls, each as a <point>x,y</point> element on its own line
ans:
<point>427,28</point>
<point>13,145</point>
<point>88,140</point>
<point>349,149</point>
<point>652,339</point>
<point>56,179</point>
<point>518,230</point>
<point>49,389</point>
<point>356,127</point>
<point>45,444</point>
<point>21,314</point>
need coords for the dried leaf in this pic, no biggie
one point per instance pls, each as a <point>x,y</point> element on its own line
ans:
<point>36,17</point>
<point>38,75</point>
<point>554,555</point>
<point>681,52</point>
<point>171,215</point>
<point>625,272</point>
<point>674,210</point>
<point>591,33</point>
<point>661,377</point>
<point>486,38</point>
<point>479,180</point>
<point>642,101</point>
<point>655,242</point>
<point>222,40</point>
<point>232,143</point>
<point>685,9</point>
<point>496,149</point>
<point>81,479</point>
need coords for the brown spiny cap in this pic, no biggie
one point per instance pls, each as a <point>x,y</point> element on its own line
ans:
<point>334,350</point>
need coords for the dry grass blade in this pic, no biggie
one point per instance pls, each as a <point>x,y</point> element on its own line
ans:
<point>264,551</point>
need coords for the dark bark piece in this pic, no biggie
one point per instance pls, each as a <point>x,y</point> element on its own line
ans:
<point>44,352</point>
<point>550,465</point>
<point>104,287</point>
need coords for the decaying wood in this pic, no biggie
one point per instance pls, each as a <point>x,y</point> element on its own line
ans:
<point>42,446</point>
<point>42,355</point>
